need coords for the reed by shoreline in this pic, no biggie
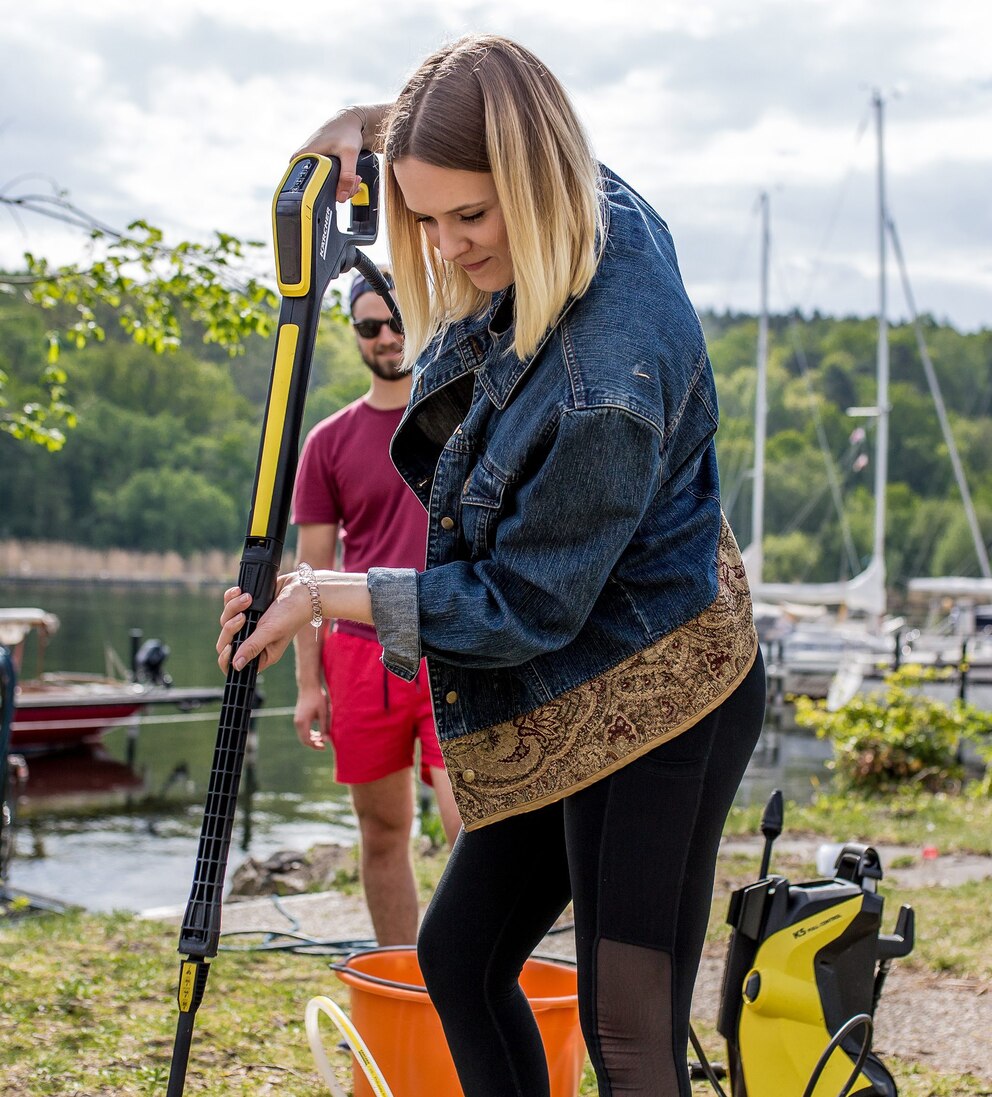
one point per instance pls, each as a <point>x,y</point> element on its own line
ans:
<point>61,562</point>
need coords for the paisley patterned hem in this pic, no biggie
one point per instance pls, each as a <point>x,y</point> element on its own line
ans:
<point>602,725</point>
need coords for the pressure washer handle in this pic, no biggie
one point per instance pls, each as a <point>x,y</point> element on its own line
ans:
<point>772,821</point>
<point>364,224</point>
<point>893,945</point>
<point>860,864</point>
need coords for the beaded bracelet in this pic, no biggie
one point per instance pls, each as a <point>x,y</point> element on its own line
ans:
<point>307,576</point>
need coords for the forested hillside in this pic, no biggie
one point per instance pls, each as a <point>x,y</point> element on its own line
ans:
<point>163,453</point>
<point>818,368</point>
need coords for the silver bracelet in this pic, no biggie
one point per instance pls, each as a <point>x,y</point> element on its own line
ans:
<point>307,576</point>
<point>361,114</point>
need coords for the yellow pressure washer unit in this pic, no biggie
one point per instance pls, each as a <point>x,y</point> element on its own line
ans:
<point>804,973</point>
<point>310,251</point>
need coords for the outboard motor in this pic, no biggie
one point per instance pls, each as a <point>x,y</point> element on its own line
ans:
<point>149,661</point>
<point>804,973</point>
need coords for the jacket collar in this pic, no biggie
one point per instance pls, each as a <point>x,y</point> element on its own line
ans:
<point>504,371</point>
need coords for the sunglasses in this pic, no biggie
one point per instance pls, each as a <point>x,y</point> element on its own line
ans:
<point>369,329</point>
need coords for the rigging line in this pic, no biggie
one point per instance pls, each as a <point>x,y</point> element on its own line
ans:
<point>958,565</point>
<point>256,713</point>
<point>139,721</point>
<point>925,546</point>
<point>56,208</point>
<point>46,205</point>
<point>26,176</point>
<point>744,246</point>
<point>68,217</point>
<point>803,511</point>
<point>808,507</point>
<point>834,216</point>
<point>828,459</point>
<point>736,475</point>
<point>931,375</point>
<point>821,435</point>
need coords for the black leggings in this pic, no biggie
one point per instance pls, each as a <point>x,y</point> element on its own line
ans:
<point>636,853</point>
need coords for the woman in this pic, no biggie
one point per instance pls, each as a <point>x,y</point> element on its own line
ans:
<point>584,612</point>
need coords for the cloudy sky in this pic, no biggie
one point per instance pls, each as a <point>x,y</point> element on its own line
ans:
<point>184,112</point>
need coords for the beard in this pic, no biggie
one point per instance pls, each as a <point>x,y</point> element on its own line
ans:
<point>384,370</point>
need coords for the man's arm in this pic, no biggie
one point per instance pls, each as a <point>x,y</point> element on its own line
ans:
<point>317,545</point>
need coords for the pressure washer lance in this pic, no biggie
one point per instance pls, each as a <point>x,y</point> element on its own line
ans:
<point>310,251</point>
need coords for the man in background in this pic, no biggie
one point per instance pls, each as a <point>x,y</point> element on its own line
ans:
<point>347,490</point>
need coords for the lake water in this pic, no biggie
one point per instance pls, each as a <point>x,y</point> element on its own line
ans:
<point>118,827</point>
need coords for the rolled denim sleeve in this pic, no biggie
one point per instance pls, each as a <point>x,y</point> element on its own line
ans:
<point>395,612</point>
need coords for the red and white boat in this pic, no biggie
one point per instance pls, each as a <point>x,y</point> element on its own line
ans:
<point>57,710</point>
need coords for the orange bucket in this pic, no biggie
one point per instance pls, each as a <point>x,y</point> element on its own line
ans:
<point>393,1014</point>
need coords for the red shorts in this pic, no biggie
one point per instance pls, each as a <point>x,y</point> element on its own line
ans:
<point>376,718</point>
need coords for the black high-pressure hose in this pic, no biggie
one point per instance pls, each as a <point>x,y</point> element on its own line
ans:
<point>859,1020</point>
<point>371,273</point>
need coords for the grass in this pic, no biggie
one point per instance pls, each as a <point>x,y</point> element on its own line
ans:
<point>954,824</point>
<point>89,1008</point>
<point>88,1001</point>
<point>952,928</point>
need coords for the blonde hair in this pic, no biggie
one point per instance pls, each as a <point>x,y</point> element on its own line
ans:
<point>487,104</point>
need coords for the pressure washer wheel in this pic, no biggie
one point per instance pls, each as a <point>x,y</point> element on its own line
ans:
<point>883,1084</point>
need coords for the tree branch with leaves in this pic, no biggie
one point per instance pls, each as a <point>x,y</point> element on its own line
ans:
<point>151,287</point>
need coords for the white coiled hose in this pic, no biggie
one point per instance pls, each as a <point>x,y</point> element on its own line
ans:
<point>323,1004</point>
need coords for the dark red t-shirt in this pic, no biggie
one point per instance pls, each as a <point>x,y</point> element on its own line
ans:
<point>346,479</point>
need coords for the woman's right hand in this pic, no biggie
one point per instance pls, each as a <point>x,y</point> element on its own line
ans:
<point>275,629</point>
<point>342,136</point>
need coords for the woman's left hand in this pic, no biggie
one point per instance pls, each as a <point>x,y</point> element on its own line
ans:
<point>289,612</point>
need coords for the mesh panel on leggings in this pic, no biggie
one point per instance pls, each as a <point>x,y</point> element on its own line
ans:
<point>634,1019</point>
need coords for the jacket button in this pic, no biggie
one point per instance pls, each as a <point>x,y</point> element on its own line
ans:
<point>447,523</point>
<point>468,776</point>
<point>451,696</point>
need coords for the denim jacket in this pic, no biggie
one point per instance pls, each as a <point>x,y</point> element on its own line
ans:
<point>573,497</point>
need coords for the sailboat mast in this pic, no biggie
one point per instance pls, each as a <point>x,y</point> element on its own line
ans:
<point>882,354</point>
<point>760,403</point>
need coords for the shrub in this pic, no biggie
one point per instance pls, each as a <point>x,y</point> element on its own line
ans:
<point>898,735</point>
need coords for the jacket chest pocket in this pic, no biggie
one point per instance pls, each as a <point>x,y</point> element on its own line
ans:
<point>482,504</point>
